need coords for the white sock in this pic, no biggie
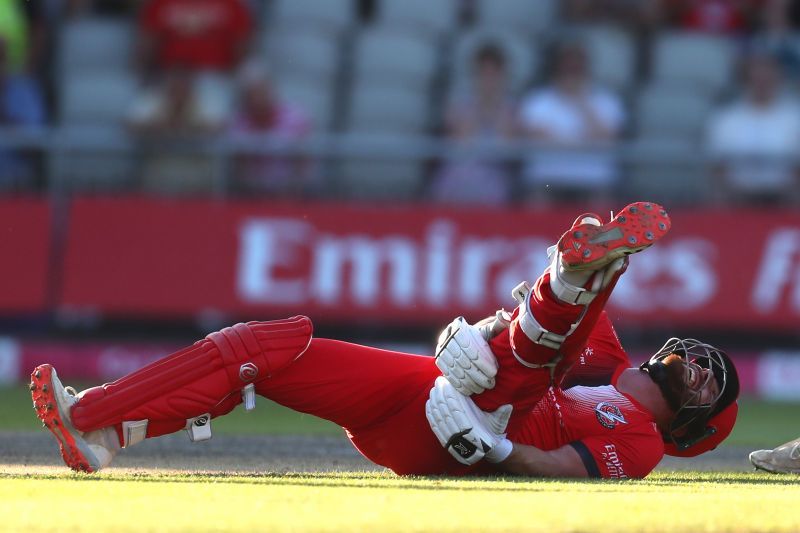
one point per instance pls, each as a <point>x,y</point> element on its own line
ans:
<point>104,443</point>
<point>576,278</point>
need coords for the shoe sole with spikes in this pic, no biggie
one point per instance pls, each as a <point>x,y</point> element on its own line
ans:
<point>55,417</point>
<point>591,247</point>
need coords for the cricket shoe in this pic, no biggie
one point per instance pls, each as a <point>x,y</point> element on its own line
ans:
<point>784,459</point>
<point>53,402</point>
<point>591,245</point>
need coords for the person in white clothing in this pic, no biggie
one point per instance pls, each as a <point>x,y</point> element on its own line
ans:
<point>754,139</point>
<point>577,123</point>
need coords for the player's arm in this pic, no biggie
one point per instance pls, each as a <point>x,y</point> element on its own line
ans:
<point>527,460</point>
<point>470,435</point>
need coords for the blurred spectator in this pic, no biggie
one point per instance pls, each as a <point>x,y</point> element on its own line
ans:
<point>179,109</point>
<point>756,138</point>
<point>21,105</point>
<point>729,17</point>
<point>777,26</point>
<point>201,35</point>
<point>169,117</point>
<point>187,48</point>
<point>484,115</point>
<point>262,112</point>
<point>582,122</point>
<point>23,30</point>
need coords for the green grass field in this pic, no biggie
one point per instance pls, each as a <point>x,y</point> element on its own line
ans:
<point>383,502</point>
<point>153,500</point>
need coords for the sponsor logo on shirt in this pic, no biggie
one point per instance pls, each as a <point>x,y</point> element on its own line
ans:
<point>609,415</point>
<point>613,463</point>
<point>585,354</point>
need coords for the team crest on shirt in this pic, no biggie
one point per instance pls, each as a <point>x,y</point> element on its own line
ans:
<point>609,415</point>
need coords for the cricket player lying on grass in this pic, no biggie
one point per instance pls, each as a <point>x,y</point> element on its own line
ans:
<point>505,395</point>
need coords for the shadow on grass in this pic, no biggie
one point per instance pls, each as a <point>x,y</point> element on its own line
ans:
<point>434,483</point>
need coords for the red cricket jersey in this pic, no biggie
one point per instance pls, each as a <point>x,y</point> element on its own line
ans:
<point>197,34</point>
<point>613,434</point>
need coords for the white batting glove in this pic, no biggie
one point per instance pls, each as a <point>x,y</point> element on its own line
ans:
<point>465,431</point>
<point>465,359</point>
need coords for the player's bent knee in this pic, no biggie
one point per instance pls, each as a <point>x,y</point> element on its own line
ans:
<point>269,346</point>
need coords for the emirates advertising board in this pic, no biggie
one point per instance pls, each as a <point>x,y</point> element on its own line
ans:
<point>409,264</point>
<point>25,256</point>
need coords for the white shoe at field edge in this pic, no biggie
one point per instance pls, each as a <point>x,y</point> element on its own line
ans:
<point>784,459</point>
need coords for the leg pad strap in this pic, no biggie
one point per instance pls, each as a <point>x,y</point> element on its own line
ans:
<point>528,323</point>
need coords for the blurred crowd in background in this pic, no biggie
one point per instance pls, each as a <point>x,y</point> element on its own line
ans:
<point>456,101</point>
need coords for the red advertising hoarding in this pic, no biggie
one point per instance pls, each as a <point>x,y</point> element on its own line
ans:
<point>768,374</point>
<point>25,248</point>
<point>411,264</point>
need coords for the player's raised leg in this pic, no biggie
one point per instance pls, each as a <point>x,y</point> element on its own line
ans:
<point>556,314</point>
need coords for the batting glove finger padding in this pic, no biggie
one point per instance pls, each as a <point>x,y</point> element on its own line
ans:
<point>464,357</point>
<point>465,431</point>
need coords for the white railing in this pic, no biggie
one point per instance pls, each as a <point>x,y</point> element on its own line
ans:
<point>58,144</point>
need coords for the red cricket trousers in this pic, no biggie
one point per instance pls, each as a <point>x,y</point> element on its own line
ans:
<point>379,396</point>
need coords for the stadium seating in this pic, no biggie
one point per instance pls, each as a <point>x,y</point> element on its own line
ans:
<point>393,56</point>
<point>669,183</point>
<point>393,71</point>
<point>303,51</point>
<point>612,55</point>
<point>700,61</point>
<point>96,98</point>
<point>532,17</point>
<point>306,65</point>
<point>438,17</point>
<point>95,86</point>
<point>381,179</point>
<point>386,67</point>
<point>333,14</point>
<point>95,44</point>
<point>668,111</point>
<point>314,98</point>
<point>385,108</point>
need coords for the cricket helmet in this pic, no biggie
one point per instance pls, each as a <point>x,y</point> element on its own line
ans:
<point>697,427</point>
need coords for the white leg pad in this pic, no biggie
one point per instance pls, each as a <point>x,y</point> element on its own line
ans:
<point>133,432</point>
<point>249,397</point>
<point>199,427</point>
<point>534,330</point>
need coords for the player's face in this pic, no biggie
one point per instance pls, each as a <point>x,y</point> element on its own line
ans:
<point>702,386</point>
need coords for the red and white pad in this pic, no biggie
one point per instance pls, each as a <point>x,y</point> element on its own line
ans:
<point>188,388</point>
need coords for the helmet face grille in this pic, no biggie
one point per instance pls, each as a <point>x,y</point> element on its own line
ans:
<point>690,424</point>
